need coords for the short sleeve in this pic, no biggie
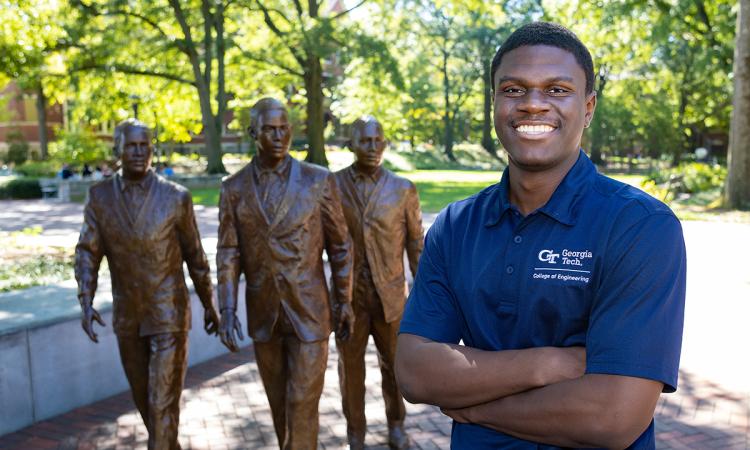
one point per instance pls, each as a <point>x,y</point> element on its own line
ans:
<point>635,326</point>
<point>431,310</point>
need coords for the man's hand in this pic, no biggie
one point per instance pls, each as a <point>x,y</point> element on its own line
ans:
<point>228,328</point>
<point>88,316</point>
<point>211,321</point>
<point>344,321</point>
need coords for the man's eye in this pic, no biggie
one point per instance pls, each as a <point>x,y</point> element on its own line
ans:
<point>513,91</point>
<point>557,90</point>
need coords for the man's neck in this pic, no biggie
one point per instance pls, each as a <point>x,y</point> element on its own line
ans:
<point>529,190</point>
<point>135,176</point>
<point>369,171</point>
<point>270,163</point>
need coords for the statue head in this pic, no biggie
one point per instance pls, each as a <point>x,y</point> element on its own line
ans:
<point>133,146</point>
<point>271,130</point>
<point>368,143</point>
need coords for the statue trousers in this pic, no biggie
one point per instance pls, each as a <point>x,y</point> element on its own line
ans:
<point>292,372</point>
<point>155,367</point>
<point>369,320</point>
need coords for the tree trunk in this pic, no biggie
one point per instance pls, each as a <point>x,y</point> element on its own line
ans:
<point>41,117</point>
<point>487,120</point>
<point>211,131</point>
<point>737,189</point>
<point>447,120</point>
<point>448,137</point>
<point>315,126</point>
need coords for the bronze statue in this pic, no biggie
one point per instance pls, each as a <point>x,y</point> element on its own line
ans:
<point>383,215</point>
<point>146,228</point>
<point>276,216</point>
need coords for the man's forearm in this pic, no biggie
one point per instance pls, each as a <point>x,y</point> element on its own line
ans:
<point>455,376</point>
<point>592,411</point>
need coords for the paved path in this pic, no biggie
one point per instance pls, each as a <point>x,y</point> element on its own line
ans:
<point>224,405</point>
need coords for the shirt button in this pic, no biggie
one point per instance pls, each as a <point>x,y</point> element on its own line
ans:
<point>509,270</point>
<point>517,239</point>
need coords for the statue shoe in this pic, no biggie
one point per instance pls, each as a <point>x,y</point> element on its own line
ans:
<point>397,438</point>
<point>356,442</point>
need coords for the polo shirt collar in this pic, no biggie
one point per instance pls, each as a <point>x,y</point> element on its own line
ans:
<point>561,206</point>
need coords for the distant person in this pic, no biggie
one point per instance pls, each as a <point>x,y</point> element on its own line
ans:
<point>97,175</point>
<point>86,172</point>
<point>106,171</point>
<point>167,171</point>
<point>65,173</point>
<point>566,288</point>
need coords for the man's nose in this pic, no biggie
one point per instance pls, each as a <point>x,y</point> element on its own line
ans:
<point>277,132</point>
<point>534,101</point>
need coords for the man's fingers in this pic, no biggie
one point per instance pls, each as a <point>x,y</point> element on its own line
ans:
<point>98,318</point>
<point>238,329</point>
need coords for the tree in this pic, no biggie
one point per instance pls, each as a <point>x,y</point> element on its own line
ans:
<point>311,42</point>
<point>31,36</point>
<point>179,41</point>
<point>737,190</point>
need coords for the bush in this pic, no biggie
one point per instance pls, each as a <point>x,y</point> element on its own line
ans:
<point>79,147</point>
<point>21,188</point>
<point>690,177</point>
<point>39,169</point>
<point>18,149</point>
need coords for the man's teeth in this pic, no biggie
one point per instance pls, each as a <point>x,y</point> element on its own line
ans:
<point>534,129</point>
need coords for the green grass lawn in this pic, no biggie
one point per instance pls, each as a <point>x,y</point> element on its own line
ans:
<point>437,188</point>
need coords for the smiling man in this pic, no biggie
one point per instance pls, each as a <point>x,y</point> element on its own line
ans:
<point>567,288</point>
<point>146,228</point>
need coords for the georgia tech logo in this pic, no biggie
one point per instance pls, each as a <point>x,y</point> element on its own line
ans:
<point>548,256</point>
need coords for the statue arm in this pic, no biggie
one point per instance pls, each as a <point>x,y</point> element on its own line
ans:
<point>228,253</point>
<point>338,243</point>
<point>88,256</point>
<point>228,271</point>
<point>414,231</point>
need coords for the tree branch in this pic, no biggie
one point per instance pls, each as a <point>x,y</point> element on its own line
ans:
<point>132,70</point>
<point>343,13</point>
<point>271,62</point>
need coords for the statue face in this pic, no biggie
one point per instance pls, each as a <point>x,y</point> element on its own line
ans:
<point>273,135</point>
<point>136,153</point>
<point>368,145</point>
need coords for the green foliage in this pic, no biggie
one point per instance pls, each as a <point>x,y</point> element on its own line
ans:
<point>79,147</point>
<point>18,149</point>
<point>689,177</point>
<point>21,188</point>
<point>38,169</point>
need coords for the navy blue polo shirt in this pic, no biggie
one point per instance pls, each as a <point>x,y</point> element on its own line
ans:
<point>601,265</point>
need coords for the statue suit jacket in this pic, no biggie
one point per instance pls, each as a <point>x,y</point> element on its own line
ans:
<point>145,255</point>
<point>389,223</point>
<point>281,256</point>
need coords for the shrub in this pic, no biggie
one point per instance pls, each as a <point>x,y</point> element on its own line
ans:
<point>21,188</point>
<point>79,147</point>
<point>18,149</point>
<point>690,177</point>
<point>38,169</point>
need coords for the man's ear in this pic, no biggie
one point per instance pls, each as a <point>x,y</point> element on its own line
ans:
<point>590,108</point>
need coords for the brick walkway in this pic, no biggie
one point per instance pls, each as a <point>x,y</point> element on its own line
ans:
<point>224,407</point>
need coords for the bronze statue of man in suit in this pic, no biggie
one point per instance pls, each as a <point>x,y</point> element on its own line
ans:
<point>276,216</point>
<point>383,215</point>
<point>146,228</point>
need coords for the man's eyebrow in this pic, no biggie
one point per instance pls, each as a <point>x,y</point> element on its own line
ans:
<point>521,80</point>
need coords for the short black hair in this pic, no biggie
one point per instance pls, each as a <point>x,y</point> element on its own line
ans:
<point>546,33</point>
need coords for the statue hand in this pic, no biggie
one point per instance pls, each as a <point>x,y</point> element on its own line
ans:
<point>88,316</point>
<point>211,321</point>
<point>228,327</point>
<point>345,322</point>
